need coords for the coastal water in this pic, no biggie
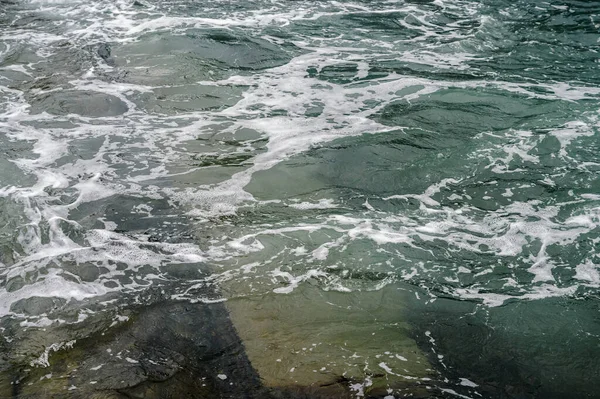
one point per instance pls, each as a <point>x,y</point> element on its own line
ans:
<point>331,199</point>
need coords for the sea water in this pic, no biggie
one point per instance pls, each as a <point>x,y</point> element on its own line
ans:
<point>369,198</point>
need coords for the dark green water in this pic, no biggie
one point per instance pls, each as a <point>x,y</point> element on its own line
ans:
<point>299,199</point>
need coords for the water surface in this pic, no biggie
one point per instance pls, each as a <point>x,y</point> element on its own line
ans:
<point>281,198</point>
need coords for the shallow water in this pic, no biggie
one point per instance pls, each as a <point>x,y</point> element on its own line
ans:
<point>376,198</point>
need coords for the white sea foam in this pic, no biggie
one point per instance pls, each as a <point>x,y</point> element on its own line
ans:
<point>141,151</point>
<point>321,204</point>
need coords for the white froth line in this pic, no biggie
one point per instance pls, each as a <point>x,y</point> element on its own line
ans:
<point>494,300</point>
<point>294,281</point>
<point>467,383</point>
<point>42,360</point>
<point>322,204</point>
<point>453,392</point>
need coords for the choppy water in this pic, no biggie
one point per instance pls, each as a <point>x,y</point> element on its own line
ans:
<point>376,177</point>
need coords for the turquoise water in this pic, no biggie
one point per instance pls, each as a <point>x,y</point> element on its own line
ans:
<point>429,168</point>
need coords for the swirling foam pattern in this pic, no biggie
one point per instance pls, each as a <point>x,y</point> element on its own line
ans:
<point>219,150</point>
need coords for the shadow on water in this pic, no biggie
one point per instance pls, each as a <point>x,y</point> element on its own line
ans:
<point>165,350</point>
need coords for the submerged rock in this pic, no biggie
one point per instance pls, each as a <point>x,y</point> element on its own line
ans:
<point>166,350</point>
<point>182,350</point>
<point>104,52</point>
<point>342,342</point>
<point>36,305</point>
<point>84,103</point>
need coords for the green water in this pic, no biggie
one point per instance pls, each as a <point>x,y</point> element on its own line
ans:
<point>299,199</point>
